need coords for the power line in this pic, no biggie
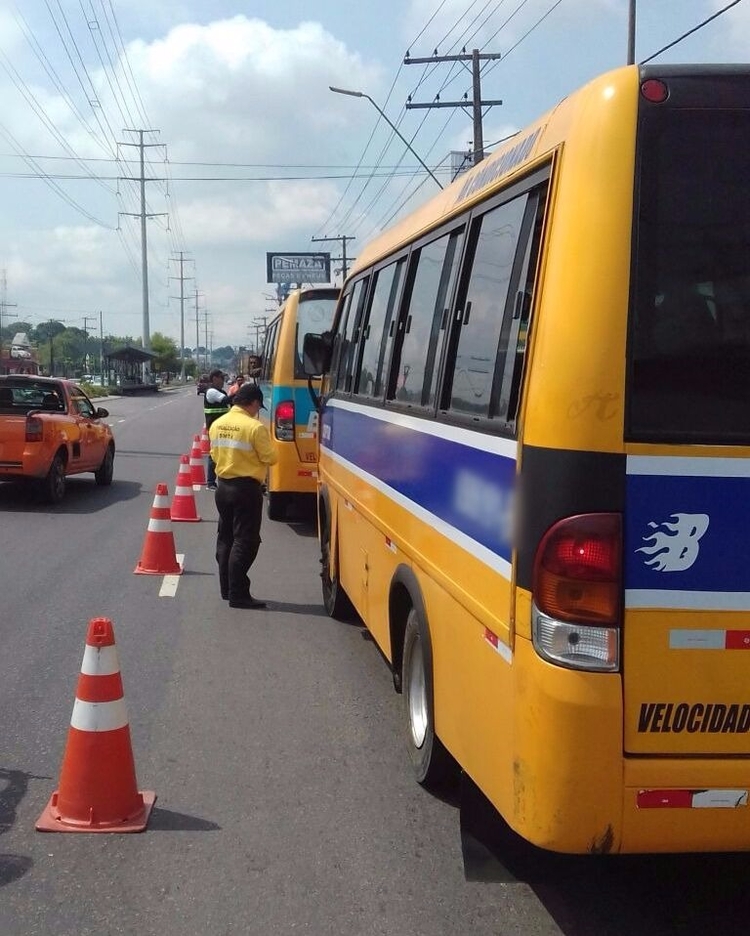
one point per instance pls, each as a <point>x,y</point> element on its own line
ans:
<point>691,31</point>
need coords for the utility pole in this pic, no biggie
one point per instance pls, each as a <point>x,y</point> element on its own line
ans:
<point>631,33</point>
<point>206,315</point>
<point>260,323</point>
<point>4,306</point>
<point>182,278</point>
<point>197,333</point>
<point>101,349</point>
<point>343,238</point>
<point>143,215</point>
<point>476,103</point>
<point>86,320</point>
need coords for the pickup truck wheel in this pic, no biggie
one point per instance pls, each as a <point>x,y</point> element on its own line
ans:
<point>53,486</point>
<point>103,474</point>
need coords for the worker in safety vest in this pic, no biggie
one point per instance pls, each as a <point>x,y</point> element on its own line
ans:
<point>242,449</point>
<point>216,403</point>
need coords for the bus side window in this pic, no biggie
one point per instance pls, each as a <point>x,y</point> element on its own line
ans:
<point>375,339</point>
<point>269,349</point>
<point>509,373</point>
<point>423,322</point>
<point>342,365</point>
<point>478,342</point>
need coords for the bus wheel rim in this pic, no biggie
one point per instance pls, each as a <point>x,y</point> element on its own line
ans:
<point>418,720</point>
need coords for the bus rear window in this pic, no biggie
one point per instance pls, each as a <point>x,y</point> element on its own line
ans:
<point>689,347</point>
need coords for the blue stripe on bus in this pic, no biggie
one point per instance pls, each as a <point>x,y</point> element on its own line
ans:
<point>686,533</point>
<point>467,487</point>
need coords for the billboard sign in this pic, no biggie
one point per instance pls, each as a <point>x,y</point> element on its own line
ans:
<point>298,267</point>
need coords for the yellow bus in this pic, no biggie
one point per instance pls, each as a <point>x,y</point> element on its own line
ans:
<point>290,415</point>
<point>534,471</point>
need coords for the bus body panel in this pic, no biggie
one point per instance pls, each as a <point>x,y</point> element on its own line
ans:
<point>654,756</point>
<point>282,382</point>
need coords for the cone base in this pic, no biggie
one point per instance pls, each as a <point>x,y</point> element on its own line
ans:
<point>139,570</point>
<point>185,519</point>
<point>52,821</point>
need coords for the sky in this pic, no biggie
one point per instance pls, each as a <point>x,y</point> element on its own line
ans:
<point>248,150</point>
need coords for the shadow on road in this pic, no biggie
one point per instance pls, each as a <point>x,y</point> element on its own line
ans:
<point>15,787</point>
<point>652,895</point>
<point>82,496</point>
<point>166,820</point>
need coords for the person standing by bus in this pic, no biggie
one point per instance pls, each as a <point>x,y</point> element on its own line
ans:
<point>238,382</point>
<point>216,403</point>
<point>242,451</point>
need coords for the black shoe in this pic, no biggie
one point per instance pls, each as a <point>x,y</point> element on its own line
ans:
<point>210,487</point>
<point>224,597</point>
<point>246,603</point>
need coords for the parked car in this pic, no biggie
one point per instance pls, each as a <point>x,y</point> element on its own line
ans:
<point>203,383</point>
<point>49,429</point>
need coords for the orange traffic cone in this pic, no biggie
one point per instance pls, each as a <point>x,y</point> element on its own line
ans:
<point>183,503</point>
<point>98,790</point>
<point>197,471</point>
<point>158,556</point>
<point>205,442</point>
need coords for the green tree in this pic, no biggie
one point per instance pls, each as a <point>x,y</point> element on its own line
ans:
<point>167,354</point>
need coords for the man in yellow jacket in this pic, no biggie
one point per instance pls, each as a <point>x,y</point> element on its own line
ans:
<point>241,449</point>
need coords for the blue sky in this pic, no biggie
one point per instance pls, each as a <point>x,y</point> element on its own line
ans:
<point>262,156</point>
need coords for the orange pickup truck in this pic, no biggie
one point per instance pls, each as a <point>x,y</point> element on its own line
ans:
<point>49,429</point>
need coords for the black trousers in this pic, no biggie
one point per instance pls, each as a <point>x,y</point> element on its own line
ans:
<point>240,505</point>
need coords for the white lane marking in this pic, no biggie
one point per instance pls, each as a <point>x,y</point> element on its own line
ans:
<point>170,582</point>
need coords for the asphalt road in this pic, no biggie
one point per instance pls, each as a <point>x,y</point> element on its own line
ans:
<point>273,742</point>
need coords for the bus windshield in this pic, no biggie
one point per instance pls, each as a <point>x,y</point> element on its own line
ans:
<point>690,317</point>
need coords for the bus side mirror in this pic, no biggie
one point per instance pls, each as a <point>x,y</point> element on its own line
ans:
<point>316,353</point>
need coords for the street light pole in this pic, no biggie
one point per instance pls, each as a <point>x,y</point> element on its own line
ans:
<point>361,94</point>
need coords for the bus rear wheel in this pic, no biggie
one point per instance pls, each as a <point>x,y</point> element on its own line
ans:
<point>433,765</point>
<point>335,599</point>
<point>276,505</point>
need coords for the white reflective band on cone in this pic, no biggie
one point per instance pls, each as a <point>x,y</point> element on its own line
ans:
<point>100,661</point>
<point>161,501</point>
<point>184,491</point>
<point>159,526</point>
<point>99,716</point>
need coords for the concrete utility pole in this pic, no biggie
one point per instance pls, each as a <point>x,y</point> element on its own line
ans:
<point>86,320</point>
<point>206,316</point>
<point>101,350</point>
<point>476,103</point>
<point>4,306</point>
<point>197,333</point>
<point>343,238</point>
<point>143,215</point>
<point>181,260</point>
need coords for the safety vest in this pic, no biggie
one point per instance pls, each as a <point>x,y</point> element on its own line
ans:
<point>212,411</point>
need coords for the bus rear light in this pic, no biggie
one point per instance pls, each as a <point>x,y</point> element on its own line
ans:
<point>284,421</point>
<point>34,429</point>
<point>577,593</point>
<point>654,90</point>
<point>577,569</point>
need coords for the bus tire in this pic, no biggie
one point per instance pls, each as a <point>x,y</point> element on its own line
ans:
<point>433,765</point>
<point>276,505</point>
<point>335,599</point>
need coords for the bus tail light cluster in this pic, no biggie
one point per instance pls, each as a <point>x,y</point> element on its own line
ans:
<point>34,429</point>
<point>284,421</point>
<point>577,593</point>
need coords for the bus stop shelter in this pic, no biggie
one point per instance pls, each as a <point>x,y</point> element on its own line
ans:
<point>125,370</point>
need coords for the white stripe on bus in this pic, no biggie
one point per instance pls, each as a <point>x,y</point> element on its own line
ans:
<point>477,440</point>
<point>480,552</point>
<point>680,467</point>
<point>688,600</point>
